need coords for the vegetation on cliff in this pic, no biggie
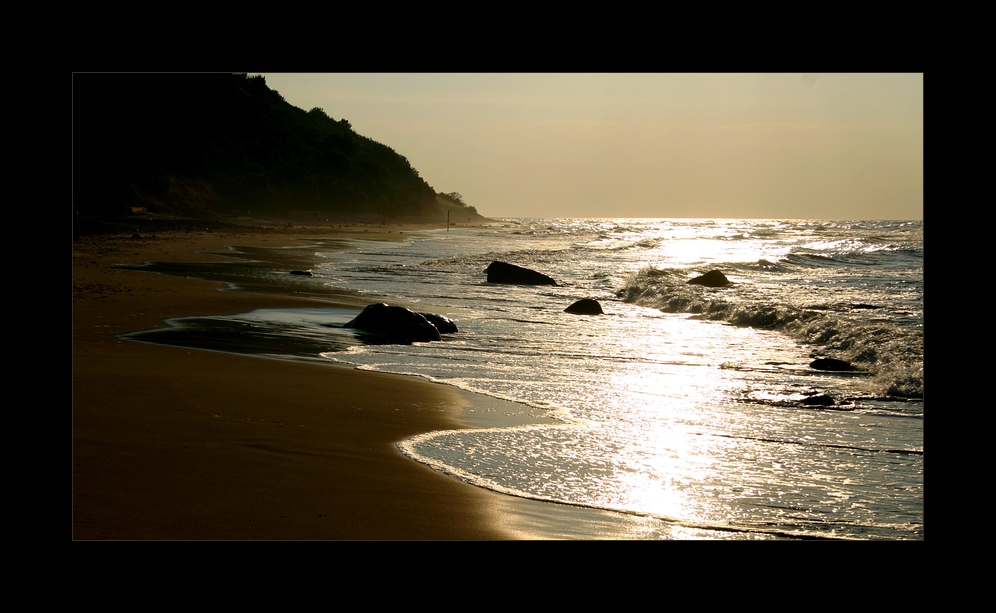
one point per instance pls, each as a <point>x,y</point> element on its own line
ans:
<point>226,144</point>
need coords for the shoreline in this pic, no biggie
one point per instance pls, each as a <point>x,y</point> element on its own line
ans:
<point>175,443</point>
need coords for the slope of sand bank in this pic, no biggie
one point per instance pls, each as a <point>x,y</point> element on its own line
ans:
<point>173,443</point>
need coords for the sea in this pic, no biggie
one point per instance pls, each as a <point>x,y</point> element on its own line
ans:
<point>696,409</point>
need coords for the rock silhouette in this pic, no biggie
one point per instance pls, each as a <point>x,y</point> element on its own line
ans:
<point>585,306</point>
<point>713,278</point>
<point>830,364</point>
<point>819,400</point>
<point>394,325</point>
<point>502,272</point>
<point>445,325</point>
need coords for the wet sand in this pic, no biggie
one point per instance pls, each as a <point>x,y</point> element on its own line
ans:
<point>178,443</point>
<point>174,443</point>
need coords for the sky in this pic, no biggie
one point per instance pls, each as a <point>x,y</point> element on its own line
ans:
<point>799,146</point>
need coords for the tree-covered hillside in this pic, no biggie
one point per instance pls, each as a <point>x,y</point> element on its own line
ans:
<point>216,144</point>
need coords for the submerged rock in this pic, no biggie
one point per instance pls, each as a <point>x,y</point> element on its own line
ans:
<point>303,273</point>
<point>502,272</point>
<point>585,306</point>
<point>713,278</point>
<point>830,364</point>
<point>397,325</point>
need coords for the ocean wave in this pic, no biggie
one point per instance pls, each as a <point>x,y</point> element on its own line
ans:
<point>892,353</point>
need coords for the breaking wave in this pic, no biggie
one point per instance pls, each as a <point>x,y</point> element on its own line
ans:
<point>869,336</point>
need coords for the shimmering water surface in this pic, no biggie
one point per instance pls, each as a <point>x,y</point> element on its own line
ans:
<point>692,405</point>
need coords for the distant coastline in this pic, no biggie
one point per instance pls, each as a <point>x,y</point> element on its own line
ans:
<point>144,223</point>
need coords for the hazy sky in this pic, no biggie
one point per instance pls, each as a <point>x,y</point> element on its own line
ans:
<point>645,145</point>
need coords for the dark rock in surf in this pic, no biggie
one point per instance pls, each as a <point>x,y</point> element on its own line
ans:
<point>585,306</point>
<point>394,325</point>
<point>445,325</point>
<point>819,400</point>
<point>713,278</point>
<point>831,364</point>
<point>510,274</point>
<point>303,273</point>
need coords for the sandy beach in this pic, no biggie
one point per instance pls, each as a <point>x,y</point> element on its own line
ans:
<point>178,443</point>
<point>173,443</point>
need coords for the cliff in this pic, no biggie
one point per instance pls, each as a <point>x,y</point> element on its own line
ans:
<point>210,145</point>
